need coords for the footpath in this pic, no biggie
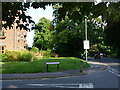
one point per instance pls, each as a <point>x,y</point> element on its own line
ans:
<point>95,67</point>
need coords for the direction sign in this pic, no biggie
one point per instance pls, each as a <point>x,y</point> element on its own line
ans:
<point>86,44</point>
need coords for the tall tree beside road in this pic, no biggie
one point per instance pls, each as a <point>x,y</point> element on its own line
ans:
<point>69,36</point>
<point>43,35</point>
<point>111,15</point>
<point>76,11</point>
<point>112,30</point>
<point>113,36</point>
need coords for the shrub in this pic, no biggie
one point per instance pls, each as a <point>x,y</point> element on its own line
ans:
<point>46,53</point>
<point>26,56</point>
<point>0,57</point>
<point>13,56</point>
<point>35,49</point>
<point>3,57</point>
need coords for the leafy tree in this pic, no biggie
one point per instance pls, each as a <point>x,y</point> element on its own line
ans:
<point>76,11</point>
<point>110,13</point>
<point>69,36</point>
<point>113,36</point>
<point>67,39</point>
<point>35,49</point>
<point>43,36</point>
<point>11,10</point>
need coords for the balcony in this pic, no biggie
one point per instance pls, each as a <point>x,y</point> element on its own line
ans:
<point>2,48</point>
<point>2,34</point>
<point>2,37</point>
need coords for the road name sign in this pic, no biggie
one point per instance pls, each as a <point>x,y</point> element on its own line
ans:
<point>52,62</point>
<point>57,63</point>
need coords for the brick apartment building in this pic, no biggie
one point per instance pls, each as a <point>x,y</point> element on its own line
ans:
<point>12,39</point>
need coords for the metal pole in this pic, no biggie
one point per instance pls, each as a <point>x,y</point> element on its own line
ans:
<point>81,67</point>
<point>47,67</point>
<point>86,54</point>
<point>86,37</point>
<point>85,29</point>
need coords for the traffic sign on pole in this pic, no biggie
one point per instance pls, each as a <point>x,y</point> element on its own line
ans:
<point>86,44</point>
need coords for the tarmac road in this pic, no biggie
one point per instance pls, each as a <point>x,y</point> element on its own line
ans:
<point>108,78</point>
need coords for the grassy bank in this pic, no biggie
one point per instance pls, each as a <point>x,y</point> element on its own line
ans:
<point>66,63</point>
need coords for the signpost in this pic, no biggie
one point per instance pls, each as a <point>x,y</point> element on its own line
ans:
<point>86,46</point>
<point>86,42</point>
<point>47,63</point>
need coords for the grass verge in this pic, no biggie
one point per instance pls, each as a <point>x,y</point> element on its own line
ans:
<point>66,63</point>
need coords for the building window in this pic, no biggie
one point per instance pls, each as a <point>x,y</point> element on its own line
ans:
<point>2,34</point>
<point>2,49</point>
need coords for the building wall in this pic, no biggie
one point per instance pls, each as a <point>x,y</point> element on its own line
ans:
<point>15,39</point>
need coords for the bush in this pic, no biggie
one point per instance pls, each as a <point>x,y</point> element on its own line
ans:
<point>13,56</point>
<point>35,49</point>
<point>26,56</point>
<point>0,57</point>
<point>46,53</point>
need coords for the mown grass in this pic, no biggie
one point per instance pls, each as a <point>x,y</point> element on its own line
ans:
<point>66,63</point>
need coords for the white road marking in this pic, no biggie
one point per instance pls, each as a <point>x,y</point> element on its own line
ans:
<point>88,85</point>
<point>79,85</point>
<point>114,71</point>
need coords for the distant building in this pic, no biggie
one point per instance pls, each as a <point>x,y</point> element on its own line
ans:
<point>13,39</point>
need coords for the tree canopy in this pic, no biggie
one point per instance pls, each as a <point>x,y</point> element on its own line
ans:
<point>11,10</point>
<point>74,10</point>
<point>76,13</point>
<point>43,35</point>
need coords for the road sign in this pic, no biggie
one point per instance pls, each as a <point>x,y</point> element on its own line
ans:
<point>52,62</point>
<point>47,63</point>
<point>86,44</point>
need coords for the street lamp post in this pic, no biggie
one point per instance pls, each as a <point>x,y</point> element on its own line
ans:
<point>86,37</point>
<point>86,44</point>
<point>86,41</point>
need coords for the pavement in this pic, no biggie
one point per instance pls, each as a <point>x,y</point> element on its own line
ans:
<point>95,67</point>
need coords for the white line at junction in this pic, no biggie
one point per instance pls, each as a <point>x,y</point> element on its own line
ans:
<point>114,71</point>
<point>79,85</point>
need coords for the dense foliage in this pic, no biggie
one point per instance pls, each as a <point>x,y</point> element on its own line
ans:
<point>11,10</point>
<point>113,36</point>
<point>43,35</point>
<point>17,56</point>
<point>67,39</point>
